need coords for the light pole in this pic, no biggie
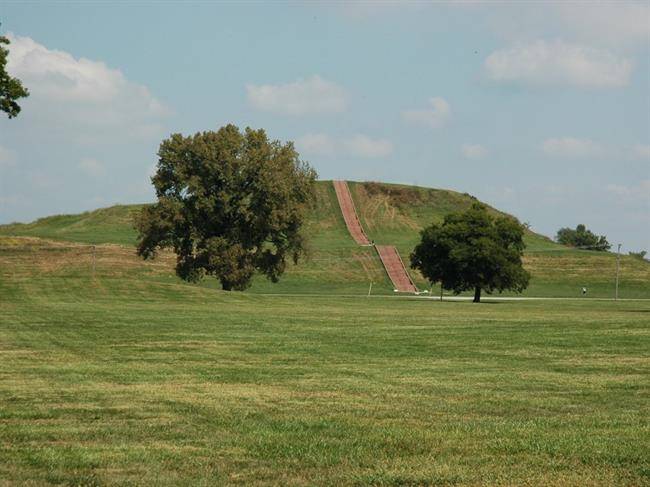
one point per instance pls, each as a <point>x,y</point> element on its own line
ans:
<point>618,262</point>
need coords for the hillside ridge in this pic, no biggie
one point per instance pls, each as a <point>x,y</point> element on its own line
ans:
<point>381,205</point>
<point>391,214</point>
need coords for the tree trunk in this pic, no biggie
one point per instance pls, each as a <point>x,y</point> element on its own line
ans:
<point>226,286</point>
<point>477,294</point>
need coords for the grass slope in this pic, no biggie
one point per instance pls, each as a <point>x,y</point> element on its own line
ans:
<point>394,213</point>
<point>391,214</point>
<point>106,225</point>
<point>134,379</point>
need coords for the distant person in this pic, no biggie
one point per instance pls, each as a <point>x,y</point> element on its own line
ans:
<point>584,291</point>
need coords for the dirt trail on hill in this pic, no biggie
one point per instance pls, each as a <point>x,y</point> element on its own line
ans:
<point>388,254</point>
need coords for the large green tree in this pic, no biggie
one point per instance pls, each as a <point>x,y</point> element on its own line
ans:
<point>473,250</point>
<point>582,238</point>
<point>11,89</point>
<point>229,203</point>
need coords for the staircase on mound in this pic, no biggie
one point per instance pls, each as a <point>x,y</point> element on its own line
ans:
<point>395,268</point>
<point>350,213</point>
<point>388,254</point>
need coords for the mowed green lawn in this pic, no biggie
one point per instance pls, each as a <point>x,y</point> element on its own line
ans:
<point>118,381</point>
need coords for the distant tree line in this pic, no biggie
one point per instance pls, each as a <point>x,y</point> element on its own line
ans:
<point>582,238</point>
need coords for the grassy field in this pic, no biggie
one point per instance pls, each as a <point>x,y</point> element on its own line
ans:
<point>114,372</point>
<point>135,380</point>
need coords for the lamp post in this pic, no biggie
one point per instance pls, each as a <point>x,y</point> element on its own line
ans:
<point>618,263</point>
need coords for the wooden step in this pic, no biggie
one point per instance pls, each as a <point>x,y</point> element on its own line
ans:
<point>350,213</point>
<point>394,266</point>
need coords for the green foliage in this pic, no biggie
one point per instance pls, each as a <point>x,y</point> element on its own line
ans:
<point>473,250</point>
<point>229,203</point>
<point>582,238</point>
<point>11,89</point>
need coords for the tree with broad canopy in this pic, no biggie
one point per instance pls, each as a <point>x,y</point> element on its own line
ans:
<point>229,203</point>
<point>473,250</point>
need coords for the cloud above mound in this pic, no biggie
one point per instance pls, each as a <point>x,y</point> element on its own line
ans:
<point>571,147</point>
<point>473,151</point>
<point>7,157</point>
<point>623,23</point>
<point>364,146</point>
<point>640,151</point>
<point>358,145</point>
<point>66,91</point>
<point>434,116</point>
<point>639,191</point>
<point>92,167</point>
<point>558,63</point>
<point>311,96</point>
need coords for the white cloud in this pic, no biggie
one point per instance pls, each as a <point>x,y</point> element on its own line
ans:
<point>612,23</point>
<point>364,146</point>
<point>43,179</point>
<point>7,157</point>
<point>473,151</point>
<point>314,95</point>
<point>358,145</point>
<point>82,98</point>
<point>543,63</point>
<point>640,151</point>
<point>433,117</point>
<point>619,24</point>
<point>317,144</point>
<point>363,9</point>
<point>92,167</point>
<point>640,191</point>
<point>570,147</point>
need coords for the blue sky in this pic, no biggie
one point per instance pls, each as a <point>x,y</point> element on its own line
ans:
<point>540,109</point>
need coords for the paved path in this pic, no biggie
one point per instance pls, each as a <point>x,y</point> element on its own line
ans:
<point>350,213</point>
<point>447,298</point>
<point>388,254</point>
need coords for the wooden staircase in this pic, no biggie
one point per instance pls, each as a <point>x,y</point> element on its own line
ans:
<point>395,269</point>
<point>388,254</point>
<point>350,213</point>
